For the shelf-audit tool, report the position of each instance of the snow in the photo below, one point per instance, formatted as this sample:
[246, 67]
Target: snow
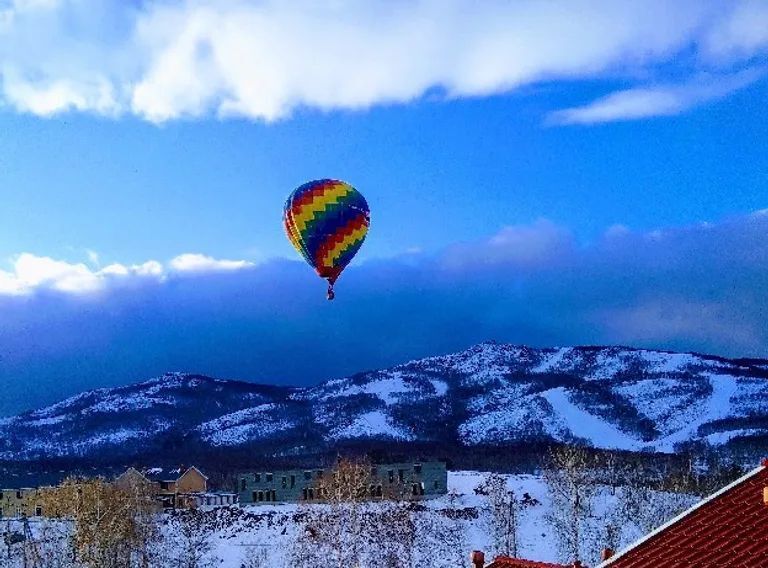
[552, 361]
[661, 362]
[582, 424]
[246, 425]
[608, 364]
[115, 436]
[505, 417]
[236, 531]
[717, 406]
[719, 438]
[658, 399]
[370, 425]
[119, 403]
[501, 388]
[387, 389]
[441, 387]
[46, 421]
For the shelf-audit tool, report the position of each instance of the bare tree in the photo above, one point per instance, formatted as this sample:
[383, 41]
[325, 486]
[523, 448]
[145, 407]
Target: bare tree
[441, 536]
[347, 530]
[505, 508]
[255, 557]
[336, 527]
[112, 525]
[570, 479]
[190, 541]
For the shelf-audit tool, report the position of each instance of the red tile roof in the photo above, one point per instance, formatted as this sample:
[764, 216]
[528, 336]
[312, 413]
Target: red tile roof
[507, 562]
[727, 530]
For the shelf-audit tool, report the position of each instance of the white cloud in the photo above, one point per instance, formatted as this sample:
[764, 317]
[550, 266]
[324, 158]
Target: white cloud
[661, 100]
[202, 263]
[263, 60]
[534, 245]
[742, 33]
[31, 272]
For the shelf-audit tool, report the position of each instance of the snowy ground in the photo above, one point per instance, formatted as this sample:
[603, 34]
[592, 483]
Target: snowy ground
[276, 533]
[271, 531]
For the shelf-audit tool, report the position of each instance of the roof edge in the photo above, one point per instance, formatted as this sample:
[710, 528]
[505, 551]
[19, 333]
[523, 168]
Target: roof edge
[190, 468]
[681, 516]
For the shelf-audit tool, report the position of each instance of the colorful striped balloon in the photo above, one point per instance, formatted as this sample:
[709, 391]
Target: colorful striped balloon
[326, 220]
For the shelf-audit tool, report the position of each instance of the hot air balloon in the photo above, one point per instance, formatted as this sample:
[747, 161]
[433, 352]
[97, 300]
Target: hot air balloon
[326, 220]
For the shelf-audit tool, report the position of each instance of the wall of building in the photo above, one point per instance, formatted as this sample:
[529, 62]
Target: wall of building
[406, 479]
[19, 503]
[191, 481]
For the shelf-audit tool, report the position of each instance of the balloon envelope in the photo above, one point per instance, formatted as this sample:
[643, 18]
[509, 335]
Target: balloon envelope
[326, 220]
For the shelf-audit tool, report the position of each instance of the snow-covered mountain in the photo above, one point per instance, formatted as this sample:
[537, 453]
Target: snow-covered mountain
[490, 394]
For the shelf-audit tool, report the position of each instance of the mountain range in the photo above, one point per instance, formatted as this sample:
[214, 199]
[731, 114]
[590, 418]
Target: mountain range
[491, 394]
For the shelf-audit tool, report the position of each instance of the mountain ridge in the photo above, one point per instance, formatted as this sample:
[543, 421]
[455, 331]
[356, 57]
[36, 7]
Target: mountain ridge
[491, 394]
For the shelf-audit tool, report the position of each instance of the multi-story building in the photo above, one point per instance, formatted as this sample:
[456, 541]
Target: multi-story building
[408, 479]
[174, 489]
[22, 502]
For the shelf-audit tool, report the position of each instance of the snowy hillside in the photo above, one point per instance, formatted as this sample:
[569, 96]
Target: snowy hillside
[490, 394]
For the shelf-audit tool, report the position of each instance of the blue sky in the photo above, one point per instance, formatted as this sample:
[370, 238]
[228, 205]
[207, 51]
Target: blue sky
[560, 173]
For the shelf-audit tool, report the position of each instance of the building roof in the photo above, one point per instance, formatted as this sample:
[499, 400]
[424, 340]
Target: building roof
[507, 562]
[158, 474]
[728, 529]
[190, 468]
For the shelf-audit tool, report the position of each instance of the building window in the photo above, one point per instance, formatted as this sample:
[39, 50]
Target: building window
[319, 474]
[293, 481]
[379, 492]
[311, 493]
[18, 495]
[415, 489]
[436, 485]
[401, 475]
[257, 477]
[285, 482]
[391, 476]
[242, 484]
[269, 478]
[417, 468]
[38, 511]
[304, 494]
[307, 475]
[274, 495]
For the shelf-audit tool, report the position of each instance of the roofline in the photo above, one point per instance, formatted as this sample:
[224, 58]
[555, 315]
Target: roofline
[680, 517]
[134, 469]
[195, 468]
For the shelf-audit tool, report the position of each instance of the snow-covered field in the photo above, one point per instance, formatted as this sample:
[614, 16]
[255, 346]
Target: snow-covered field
[276, 531]
[272, 529]
[447, 529]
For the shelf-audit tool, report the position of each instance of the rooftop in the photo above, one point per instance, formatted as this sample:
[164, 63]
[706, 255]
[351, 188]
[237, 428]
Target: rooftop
[728, 529]
[507, 562]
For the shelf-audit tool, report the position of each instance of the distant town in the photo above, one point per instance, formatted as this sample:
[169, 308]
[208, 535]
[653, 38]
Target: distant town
[188, 487]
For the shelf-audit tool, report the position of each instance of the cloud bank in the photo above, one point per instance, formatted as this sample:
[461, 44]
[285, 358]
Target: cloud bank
[67, 327]
[264, 60]
[31, 273]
